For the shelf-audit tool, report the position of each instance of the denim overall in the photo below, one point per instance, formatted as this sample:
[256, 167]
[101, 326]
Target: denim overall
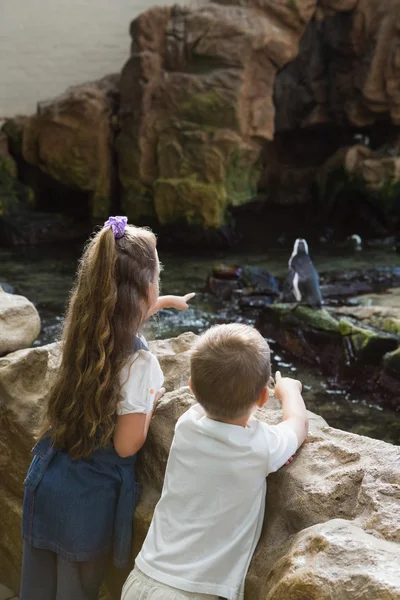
[76, 511]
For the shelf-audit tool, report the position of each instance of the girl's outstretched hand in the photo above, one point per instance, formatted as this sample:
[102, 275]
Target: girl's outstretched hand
[180, 302]
[177, 302]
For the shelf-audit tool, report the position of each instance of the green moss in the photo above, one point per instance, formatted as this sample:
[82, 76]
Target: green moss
[318, 319]
[388, 324]
[211, 107]
[310, 317]
[13, 194]
[293, 7]
[198, 203]
[242, 178]
[13, 128]
[391, 363]
[360, 336]
[366, 343]
[388, 198]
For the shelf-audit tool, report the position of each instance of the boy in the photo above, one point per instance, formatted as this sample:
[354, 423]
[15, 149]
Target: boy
[208, 521]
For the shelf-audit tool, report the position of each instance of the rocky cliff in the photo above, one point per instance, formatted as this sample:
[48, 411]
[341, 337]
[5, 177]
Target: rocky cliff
[235, 100]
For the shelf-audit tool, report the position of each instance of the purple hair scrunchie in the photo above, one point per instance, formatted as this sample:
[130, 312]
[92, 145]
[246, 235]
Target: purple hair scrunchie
[118, 225]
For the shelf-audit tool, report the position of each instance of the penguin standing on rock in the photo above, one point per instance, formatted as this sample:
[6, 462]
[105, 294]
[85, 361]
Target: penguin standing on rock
[303, 280]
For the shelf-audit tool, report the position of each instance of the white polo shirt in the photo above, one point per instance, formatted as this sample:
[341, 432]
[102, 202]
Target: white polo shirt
[208, 520]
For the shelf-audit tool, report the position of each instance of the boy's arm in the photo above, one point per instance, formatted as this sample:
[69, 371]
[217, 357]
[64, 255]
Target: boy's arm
[288, 391]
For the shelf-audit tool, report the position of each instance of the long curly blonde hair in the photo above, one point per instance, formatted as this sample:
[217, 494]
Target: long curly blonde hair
[106, 309]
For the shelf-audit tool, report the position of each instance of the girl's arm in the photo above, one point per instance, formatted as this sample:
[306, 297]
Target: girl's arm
[131, 430]
[178, 302]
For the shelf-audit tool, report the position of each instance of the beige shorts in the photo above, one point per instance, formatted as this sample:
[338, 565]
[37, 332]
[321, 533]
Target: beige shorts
[140, 587]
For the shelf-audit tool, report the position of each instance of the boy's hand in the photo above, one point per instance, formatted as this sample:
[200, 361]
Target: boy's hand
[285, 385]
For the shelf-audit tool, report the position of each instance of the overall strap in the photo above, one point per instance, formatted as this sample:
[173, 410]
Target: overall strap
[139, 344]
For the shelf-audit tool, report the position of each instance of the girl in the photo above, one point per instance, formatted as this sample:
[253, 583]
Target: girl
[80, 491]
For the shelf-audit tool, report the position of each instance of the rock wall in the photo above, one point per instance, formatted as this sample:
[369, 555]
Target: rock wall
[196, 105]
[231, 101]
[331, 529]
[217, 100]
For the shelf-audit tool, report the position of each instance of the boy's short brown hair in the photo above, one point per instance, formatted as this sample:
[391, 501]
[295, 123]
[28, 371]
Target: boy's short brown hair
[230, 365]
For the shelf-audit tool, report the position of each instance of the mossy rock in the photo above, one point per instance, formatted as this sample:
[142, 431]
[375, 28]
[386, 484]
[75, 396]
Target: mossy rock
[209, 107]
[189, 153]
[197, 203]
[388, 324]
[14, 196]
[391, 363]
[311, 318]
[366, 343]
[13, 128]
[242, 177]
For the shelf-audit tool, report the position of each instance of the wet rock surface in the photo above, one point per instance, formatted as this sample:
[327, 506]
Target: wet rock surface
[334, 509]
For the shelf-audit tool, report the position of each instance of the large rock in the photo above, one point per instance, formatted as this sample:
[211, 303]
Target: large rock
[331, 528]
[196, 104]
[207, 89]
[346, 563]
[19, 322]
[70, 140]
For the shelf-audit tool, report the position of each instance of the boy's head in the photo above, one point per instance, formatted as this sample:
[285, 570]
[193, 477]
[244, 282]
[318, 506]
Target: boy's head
[230, 367]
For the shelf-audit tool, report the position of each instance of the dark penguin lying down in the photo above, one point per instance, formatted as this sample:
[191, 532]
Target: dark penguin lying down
[302, 281]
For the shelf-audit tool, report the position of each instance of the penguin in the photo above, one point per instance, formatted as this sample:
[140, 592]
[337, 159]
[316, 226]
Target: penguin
[356, 242]
[303, 279]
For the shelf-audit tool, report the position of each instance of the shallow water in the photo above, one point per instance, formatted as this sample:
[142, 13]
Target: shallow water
[45, 276]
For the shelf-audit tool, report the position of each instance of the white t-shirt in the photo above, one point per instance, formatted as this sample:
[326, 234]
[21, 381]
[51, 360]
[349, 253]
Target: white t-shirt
[141, 379]
[208, 521]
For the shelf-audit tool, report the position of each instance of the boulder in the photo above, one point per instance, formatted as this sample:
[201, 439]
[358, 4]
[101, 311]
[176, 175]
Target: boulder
[346, 562]
[70, 140]
[196, 103]
[19, 322]
[331, 529]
